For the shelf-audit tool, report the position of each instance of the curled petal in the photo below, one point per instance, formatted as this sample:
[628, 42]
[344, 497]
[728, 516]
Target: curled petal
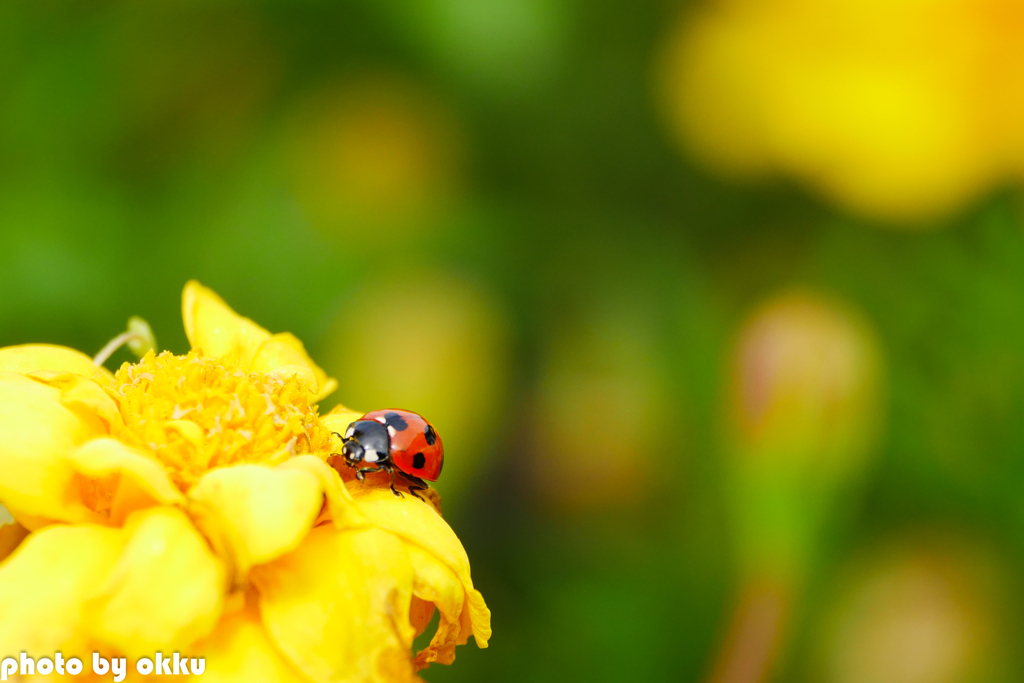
[239, 651]
[285, 353]
[476, 619]
[143, 482]
[212, 326]
[45, 584]
[31, 358]
[338, 607]
[420, 613]
[419, 524]
[84, 396]
[165, 591]
[36, 433]
[340, 505]
[435, 583]
[255, 514]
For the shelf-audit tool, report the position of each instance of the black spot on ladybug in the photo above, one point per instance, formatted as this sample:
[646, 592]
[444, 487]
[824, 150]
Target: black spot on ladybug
[395, 420]
[431, 435]
[418, 461]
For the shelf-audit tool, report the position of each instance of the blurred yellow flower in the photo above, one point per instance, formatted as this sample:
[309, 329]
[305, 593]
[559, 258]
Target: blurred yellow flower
[375, 153]
[184, 503]
[600, 410]
[902, 110]
[923, 607]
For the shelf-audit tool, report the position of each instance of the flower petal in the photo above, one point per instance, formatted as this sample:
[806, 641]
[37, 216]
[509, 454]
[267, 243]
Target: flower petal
[212, 326]
[11, 533]
[285, 353]
[338, 607]
[239, 651]
[340, 505]
[419, 524]
[254, 514]
[84, 397]
[143, 481]
[166, 590]
[46, 582]
[340, 418]
[11, 536]
[30, 358]
[36, 433]
[420, 613]
[437, 584]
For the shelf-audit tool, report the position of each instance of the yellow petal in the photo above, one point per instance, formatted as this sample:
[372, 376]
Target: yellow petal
[479, 619]
[437, 584]
[188, 430]
[340, 504]
[45, 583]
[140, 473]
[239, 651]
[338, 607]
[420, 613]
[11, 536]
[31, 358]
[419, 524]
[253, 514]
[212, 326]
[340, 418]
[166, 590]
[36, 433]
[84, 397]
[284, 353]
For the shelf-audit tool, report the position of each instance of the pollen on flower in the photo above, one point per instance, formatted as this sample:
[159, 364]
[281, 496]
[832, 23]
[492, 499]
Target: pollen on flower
[195, 414]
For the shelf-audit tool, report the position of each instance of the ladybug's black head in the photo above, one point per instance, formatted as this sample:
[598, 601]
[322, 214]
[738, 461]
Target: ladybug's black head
[366, 441]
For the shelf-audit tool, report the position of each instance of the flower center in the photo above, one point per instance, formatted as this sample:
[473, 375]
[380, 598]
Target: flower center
[195, 414]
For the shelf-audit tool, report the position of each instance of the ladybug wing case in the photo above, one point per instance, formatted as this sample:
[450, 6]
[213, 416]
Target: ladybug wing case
[416, 447]
[416, 457]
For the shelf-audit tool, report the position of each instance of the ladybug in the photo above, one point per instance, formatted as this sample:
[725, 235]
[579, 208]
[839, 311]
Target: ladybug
[390, 440]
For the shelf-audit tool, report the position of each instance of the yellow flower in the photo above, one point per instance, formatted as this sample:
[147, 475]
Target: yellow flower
[900, 110]
[185, 503]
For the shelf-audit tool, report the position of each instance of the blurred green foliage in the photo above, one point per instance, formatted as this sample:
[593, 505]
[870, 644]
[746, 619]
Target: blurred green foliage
[143, 144]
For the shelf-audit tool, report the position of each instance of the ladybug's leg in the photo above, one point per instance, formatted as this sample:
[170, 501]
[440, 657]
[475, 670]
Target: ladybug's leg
[416, 484]
[361, 473]
[397, 493]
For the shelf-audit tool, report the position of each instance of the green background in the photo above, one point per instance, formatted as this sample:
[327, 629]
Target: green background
[144, 144]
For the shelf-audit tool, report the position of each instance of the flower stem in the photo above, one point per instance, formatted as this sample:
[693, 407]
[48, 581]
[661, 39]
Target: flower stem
[113, 345]
[752, 644]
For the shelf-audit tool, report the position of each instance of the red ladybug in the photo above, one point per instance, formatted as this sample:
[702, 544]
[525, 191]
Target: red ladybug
[389, 440]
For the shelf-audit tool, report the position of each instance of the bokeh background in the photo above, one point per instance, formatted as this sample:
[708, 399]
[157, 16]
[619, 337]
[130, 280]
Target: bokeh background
[718, 305]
